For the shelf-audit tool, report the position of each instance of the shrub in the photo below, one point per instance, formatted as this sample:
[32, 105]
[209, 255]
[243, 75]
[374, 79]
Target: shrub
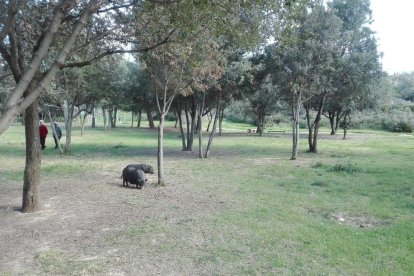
[345, 168]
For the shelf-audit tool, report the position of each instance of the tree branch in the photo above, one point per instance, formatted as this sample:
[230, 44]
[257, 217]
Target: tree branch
[38, 57]
[120, 51]
[8, 22]
[15, 104]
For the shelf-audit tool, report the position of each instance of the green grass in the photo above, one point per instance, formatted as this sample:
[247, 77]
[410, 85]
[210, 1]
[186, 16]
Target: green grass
[58, 263]
[281, 221]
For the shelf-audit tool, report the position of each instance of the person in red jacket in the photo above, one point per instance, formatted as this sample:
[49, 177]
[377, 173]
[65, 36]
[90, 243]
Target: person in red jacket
[43, 133]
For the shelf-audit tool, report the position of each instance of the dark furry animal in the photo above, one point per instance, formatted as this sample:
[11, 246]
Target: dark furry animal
[144, 167]
[133, 176]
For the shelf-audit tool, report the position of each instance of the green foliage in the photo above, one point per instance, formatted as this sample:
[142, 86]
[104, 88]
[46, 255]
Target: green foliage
[237, 112]
[402, 127]
[347, 167]
[403, 85]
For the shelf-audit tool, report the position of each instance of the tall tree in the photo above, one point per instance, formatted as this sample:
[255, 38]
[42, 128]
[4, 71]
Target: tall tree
[36, 39]
[296, 61]
[323, 28]
[358, 67]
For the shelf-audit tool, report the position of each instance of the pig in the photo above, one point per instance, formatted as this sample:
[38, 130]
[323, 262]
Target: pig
[133, 176]
[144, 167]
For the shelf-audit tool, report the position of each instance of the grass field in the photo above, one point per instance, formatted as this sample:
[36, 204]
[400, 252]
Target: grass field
[247, 209]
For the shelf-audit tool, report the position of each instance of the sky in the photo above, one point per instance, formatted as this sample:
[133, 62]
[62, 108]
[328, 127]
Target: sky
[393, 24]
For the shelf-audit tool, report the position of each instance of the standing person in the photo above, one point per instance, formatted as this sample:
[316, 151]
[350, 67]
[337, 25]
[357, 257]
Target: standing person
[58, 131]
[43, 133]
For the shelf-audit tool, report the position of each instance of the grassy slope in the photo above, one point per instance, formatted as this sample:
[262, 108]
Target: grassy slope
[283, 217]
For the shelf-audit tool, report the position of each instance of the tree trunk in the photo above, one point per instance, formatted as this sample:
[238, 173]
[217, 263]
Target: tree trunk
[187, 120]
[68, 116]
[221, 117]
[295, 133]
[110, 117]
[338, 118]
[115, 117]
[160, 159]
[316, 125]
[200, 127]
[193, 115]
[176, 120]
[139, 118]
[150, 119]
[260, 119]
[109, 120]
[104, 117]
[33, 160]
[295, 126]
[200, 136]
[331, 116]
[310, 127]
[346, 125]
[132, 118]
[93, 118]
[210, 119]
[213, 131]
[52, 125]
[82, 121]
[180, 122]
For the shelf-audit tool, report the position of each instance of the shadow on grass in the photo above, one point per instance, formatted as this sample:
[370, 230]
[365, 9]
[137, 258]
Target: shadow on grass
[10, 207]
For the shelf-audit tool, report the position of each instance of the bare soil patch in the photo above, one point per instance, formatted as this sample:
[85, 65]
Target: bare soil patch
[90, 224]
[356, 220]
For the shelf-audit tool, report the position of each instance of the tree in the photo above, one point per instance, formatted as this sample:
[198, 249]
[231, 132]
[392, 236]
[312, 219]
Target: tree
[264, 96]
[166, 66]
[404, 86]
[139, 96]
[324, 34]
[36, 39]
[295, 62]
[357, 67]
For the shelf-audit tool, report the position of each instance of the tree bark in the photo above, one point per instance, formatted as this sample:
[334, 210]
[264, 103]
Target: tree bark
[221, 117]
[346, 125]
[210, 119]
[331, 116]
[200, 127]
[52, 125]
[310, 127]
[150, 119]
[295, 125]
[115, 117]
[33, 160]
[187, 120]
[295, 133]
[160, 156]
[93, 118]
[213, 130]
[82, 121]
[139, 118]
[68, 116]
[180, 122]
[104, 116]
[314, 127]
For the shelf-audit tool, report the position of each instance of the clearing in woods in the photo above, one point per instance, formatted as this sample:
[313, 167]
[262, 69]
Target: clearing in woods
[247, 209]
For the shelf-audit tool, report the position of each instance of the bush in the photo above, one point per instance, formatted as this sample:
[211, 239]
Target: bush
[237, 112]
[345, 168]
[402, 127]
